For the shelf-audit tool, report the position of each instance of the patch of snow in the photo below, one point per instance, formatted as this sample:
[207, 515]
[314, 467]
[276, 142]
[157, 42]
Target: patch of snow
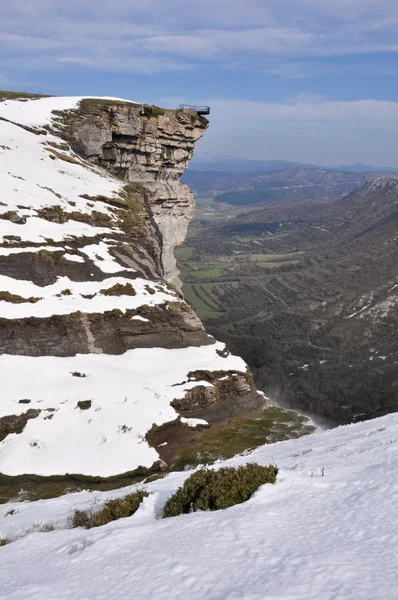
[99, 254]
[54, 302]
[74, 258]
[37, 230]
[193, 422]
[8, 251]
[31, 179]
[382, 309]
[358, 312]
[139, 318]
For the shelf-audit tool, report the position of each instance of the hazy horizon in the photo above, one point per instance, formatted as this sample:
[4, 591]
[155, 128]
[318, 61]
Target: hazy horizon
[199, 155]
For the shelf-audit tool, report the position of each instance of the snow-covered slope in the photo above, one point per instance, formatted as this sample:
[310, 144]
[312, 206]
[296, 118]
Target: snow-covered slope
[128, 393]
[94, 345]
[326, 530]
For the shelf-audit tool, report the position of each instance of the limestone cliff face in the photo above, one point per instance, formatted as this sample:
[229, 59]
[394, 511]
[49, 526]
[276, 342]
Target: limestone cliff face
[91, 209]
[146, 146]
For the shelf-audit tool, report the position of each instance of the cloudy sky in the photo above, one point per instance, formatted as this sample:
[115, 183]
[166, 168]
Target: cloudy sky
[309, 80]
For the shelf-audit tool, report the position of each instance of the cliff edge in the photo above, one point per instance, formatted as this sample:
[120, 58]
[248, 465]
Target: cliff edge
[97, 344]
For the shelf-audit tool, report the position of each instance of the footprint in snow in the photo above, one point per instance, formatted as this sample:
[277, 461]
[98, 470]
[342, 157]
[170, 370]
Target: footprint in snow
[81, 545]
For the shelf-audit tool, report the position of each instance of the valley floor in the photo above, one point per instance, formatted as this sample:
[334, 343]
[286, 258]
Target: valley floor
[326, 530]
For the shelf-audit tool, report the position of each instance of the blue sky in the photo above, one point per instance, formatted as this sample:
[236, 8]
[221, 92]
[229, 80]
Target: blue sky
[310, 80]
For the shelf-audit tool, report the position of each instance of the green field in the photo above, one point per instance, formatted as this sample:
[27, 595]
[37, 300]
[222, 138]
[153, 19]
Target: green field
[204, 297]
[276, 258]
[210, 269]
[183, 253]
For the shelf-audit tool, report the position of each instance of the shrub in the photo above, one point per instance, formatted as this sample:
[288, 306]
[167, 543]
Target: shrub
[214, 490]
[115, 509]
[152, 111]
[119, 290]
[84, 404]
[4, 542]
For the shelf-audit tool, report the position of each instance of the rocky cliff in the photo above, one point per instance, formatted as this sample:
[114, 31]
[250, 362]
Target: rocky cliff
[147, 146]
[96, 344]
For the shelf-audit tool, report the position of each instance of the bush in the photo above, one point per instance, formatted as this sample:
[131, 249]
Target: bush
[119, 290]
[214, 490]
[115, 509]
[152, 111]
[4, 542]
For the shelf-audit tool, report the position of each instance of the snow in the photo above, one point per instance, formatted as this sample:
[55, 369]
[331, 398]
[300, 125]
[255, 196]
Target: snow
[30, 178]
[325, 531]
[99, 254]
[139, 318]
[382, 309]
[133, 390]
[74, 258]
[358, 312]
[38, 230]
[193, 422]
[8, 251]
[37, 112]
[67, 296]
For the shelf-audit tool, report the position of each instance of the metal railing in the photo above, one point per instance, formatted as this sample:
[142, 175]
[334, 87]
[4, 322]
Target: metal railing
[201, 110]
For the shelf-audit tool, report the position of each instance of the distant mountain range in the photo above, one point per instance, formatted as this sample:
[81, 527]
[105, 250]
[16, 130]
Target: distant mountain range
[264, 187]
[233, 164]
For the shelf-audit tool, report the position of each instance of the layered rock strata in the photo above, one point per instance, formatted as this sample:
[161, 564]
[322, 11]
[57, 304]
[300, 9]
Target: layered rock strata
[91, 209]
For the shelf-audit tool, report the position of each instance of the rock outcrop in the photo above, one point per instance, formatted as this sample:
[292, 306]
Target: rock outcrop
[143, 145]
[91, 209]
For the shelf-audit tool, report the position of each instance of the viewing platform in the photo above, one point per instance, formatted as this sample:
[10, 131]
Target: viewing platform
[201, 110]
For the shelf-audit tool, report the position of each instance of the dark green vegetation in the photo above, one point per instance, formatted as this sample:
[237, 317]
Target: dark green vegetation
[36, 487]
[216, 490]
[4, 95]
[119, 290]
[304, 291]
[4, 542]
[88, 103]
[117, 508]
[151, 111]
[225, 440]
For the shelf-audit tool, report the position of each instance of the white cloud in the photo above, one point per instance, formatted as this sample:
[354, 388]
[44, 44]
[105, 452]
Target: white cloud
[253, 33]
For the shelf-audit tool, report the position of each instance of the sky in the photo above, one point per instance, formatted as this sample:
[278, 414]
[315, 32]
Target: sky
[303, 80]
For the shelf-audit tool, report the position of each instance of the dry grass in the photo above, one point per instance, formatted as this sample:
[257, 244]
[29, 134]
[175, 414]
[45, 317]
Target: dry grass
[15, 299]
